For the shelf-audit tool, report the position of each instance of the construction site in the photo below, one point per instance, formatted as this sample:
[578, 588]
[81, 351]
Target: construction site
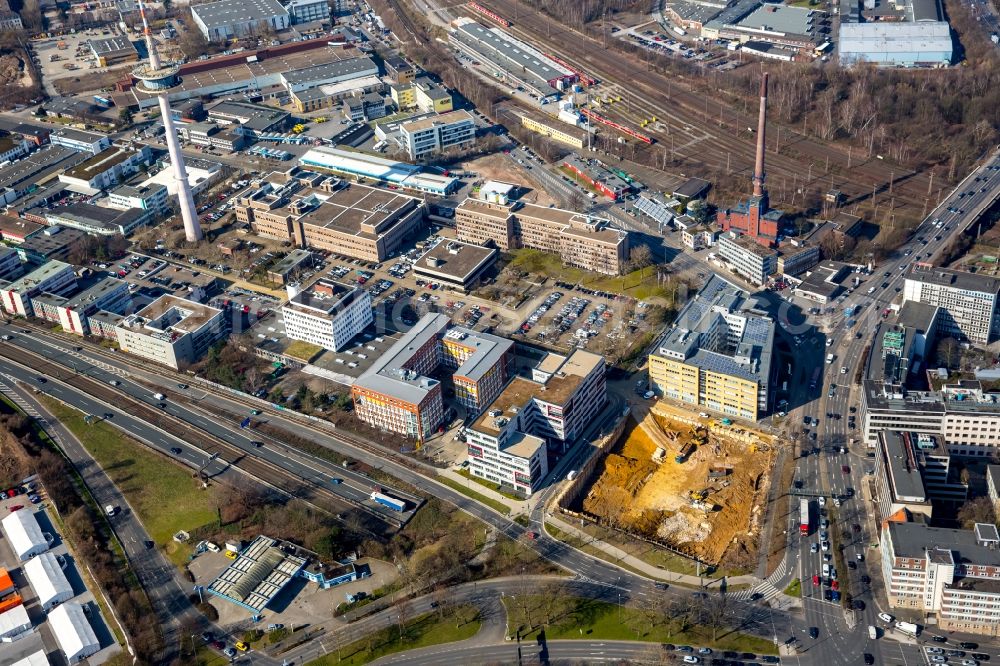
[694, 484]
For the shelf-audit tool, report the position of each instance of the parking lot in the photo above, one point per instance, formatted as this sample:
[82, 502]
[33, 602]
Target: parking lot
[41, 637]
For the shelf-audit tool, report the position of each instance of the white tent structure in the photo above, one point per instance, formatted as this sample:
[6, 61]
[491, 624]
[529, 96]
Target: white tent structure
[72, 629]
[48, 580]
[33, 659]
[24, 534]
[13, 623]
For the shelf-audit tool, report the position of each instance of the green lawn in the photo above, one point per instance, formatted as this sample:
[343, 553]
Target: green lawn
[640, 284]
[303, 350]
[164, 495]
[456, 624]
[565, 617]
[479, 497]
[794, 588]
[492, 486]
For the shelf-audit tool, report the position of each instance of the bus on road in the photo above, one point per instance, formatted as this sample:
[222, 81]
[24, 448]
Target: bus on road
[804, 517]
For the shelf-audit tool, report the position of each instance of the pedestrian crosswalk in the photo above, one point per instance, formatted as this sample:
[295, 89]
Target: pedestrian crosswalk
[766, 589]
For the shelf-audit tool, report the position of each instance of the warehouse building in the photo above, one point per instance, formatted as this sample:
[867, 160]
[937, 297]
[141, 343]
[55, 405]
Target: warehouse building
[359, 165]
[72, 630]
[597, 176]
[717, 354]
[512, 60]
[258, 574]
[48, 581]
[23, 176]
[338, 71]
[304, 11]
[33, 659]
[13, 623]
[580, 240]
[797, 28]
[99, 220]
[437, 133]
[171, 331]
[219, 21]
[253, 119]
[24, 536]
[314, 211]
[112, 51]
[895, 33]
[80, 141]
[552, 128]
[327, 314]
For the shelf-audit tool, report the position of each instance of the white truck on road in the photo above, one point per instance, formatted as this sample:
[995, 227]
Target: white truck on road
[908, 628]
[872, 631]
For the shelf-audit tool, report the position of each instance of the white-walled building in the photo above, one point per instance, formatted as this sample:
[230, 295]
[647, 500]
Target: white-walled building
[24, 535]
[110, 295]
[33, 659]
[80, 141]
[48, 581]
[106, 169]
[152, 197]
[970, 302]
[437, 133]
[54, 277]
[172, 331]
[13, 623]
[747, 257]
[73, 632]
[327, 314]
[225, 19]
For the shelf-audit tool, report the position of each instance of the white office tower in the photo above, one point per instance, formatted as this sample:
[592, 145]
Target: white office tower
[160, 78]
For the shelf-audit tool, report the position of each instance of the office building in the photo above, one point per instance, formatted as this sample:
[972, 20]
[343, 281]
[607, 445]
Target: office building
[825, 282]
[253, 119]
[699, 237]
[437, 133]
[457, 265]
[106, 169]
[396, 393]
[552, 128]
[314, 211]
[796, 258]
[153, 198]
[109, 295]
[365, 107]
[171, 331]
[226, 19]
[15, 230]
[327, 314]
[509, 442]
[748, 258]
[80, 141]
[397, 69]
[968, 301]
[13, 148]
[10, 263]
[717, 353]
[948, 575]
[53, 277]
[578, 239]
[304, 11]
[911, 472]
[421, 93]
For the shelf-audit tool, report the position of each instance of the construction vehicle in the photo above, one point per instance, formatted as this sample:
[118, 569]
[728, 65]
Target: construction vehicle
[686, 451]
[321, 119]
[697, 495]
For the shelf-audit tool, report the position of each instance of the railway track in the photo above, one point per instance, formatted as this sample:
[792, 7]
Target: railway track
[226, 454]
[687, 114]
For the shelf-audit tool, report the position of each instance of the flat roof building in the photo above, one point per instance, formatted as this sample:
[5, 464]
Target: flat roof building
[258, 574]
[437, 133]
[172, 331]
[360, 165]
[256, 118]
[579, 239]
[327, 314]
[338, 71]
[99, 220]
[970, 302]
[896, 44]
[54, 277]
[824, 282]
[112, 51]
[717, 353]
[458, 265]
[225, 19]
[80, 141]
[747, 257]
[512, 59]
[313, 211]
[15, 230]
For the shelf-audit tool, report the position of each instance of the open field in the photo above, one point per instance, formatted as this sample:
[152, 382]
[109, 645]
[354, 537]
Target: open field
[642, 488]
[451, 625]
[166, 497]
[563, 617]
[498, 167]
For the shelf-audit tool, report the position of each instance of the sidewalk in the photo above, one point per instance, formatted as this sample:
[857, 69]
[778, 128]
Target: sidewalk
[644, 567]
